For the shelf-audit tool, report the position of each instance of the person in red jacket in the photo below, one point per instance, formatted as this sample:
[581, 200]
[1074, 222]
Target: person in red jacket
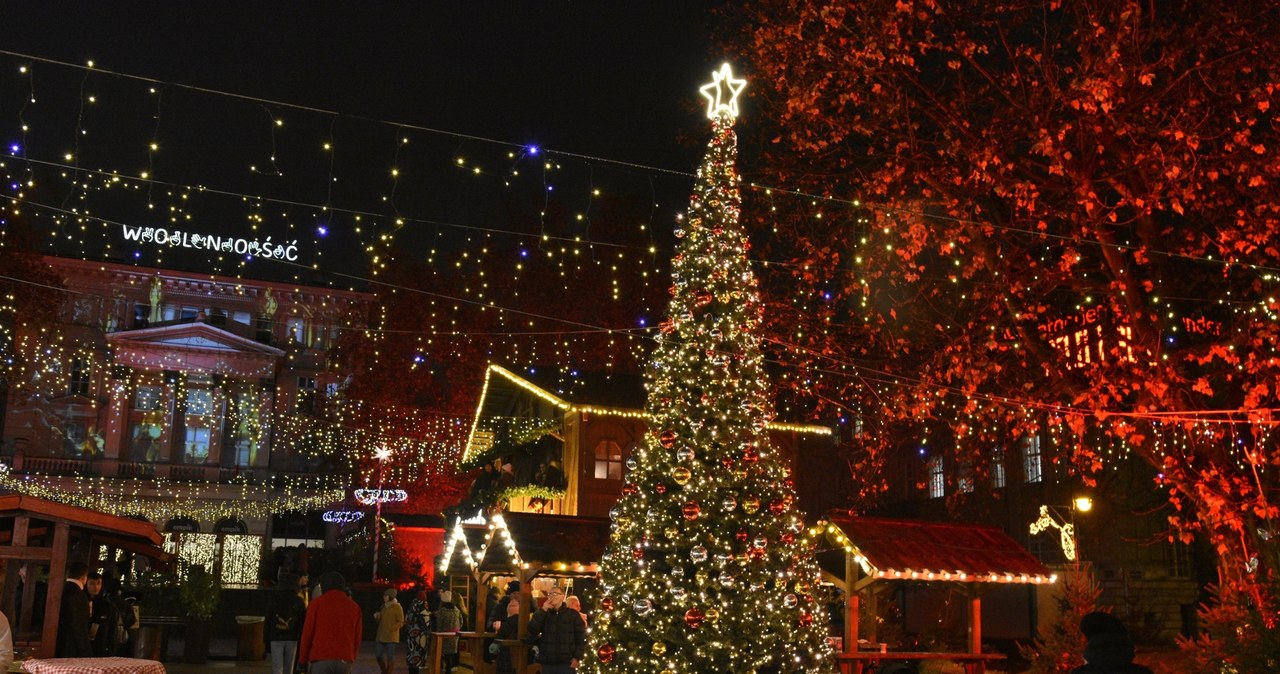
[331, 632]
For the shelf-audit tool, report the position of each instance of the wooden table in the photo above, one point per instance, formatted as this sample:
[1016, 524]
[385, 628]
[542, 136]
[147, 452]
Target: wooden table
[92, 666]
[974, 663]
[475, 646]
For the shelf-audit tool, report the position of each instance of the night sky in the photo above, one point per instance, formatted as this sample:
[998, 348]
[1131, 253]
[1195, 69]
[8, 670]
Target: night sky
[610, 86]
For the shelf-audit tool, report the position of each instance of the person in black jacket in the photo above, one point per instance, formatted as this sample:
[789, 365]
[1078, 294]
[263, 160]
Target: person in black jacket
[508, 628]
[285, 616]
[73, 615]
[560, 634]
[1107, 648]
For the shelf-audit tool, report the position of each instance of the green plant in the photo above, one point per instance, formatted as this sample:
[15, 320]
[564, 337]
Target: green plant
[157, 594]
[200, 593]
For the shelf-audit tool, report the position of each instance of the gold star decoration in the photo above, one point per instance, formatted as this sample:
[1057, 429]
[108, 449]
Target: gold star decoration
[723, 86]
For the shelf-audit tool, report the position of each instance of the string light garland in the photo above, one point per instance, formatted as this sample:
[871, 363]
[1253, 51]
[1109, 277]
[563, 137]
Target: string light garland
[707, 567]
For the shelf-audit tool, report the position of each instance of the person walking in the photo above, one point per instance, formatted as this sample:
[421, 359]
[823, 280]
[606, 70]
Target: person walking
[331, 633]
[285, 617]
[448, 619]
[419, 621]
[73, 615]
[560, 633]
[390, 619]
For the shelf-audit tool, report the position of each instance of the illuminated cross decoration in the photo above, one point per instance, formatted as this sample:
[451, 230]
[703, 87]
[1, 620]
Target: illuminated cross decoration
[722, 93]
[1067, 532]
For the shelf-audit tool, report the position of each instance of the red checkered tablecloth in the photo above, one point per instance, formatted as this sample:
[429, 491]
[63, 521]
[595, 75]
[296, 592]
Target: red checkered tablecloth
[92, 666]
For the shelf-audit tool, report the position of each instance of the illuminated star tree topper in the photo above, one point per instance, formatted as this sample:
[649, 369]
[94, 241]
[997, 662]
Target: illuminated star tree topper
[722, 92]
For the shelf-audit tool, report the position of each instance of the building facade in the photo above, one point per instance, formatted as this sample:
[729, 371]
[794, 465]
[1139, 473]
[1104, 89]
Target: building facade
[184, 398]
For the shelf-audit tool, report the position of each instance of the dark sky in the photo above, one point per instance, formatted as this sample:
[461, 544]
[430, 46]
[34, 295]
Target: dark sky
[615, 82]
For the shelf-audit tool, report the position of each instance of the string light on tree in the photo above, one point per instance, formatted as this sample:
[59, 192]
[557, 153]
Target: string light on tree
[708, 568]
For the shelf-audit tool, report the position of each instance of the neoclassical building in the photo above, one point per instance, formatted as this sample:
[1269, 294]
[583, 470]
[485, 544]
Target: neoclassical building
[190, 399]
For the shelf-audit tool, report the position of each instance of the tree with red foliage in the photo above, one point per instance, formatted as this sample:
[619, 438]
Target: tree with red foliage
[1031, 215]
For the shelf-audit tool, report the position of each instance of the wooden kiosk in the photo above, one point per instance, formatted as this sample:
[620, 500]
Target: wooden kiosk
[881, 550]
[523, 545]
[39, 533]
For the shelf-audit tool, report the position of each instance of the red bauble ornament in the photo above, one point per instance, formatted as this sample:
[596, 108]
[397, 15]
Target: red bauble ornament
[607, 603]
[806, 619]
[777, 506]
[704, 298]
[691, 510]
[726, 462]
[661, 488]
[630, 489]
[667, 439]
[750, 454]
[787, 538]
[694, 617]
[756, 553]
[637, 553]
[741, 536]
[606, 653]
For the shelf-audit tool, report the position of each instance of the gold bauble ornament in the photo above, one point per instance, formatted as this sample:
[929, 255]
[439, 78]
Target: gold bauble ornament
[659, 648]
[711, 615]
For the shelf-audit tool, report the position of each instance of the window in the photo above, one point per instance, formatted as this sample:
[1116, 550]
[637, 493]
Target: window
[295, 330]
[1177, 559]
[199, 401]
[964, 478]
[78, 382]
[937, 480]
[1032, 469]
[147, 398]
[189, 313]
[144, 442]
[242, 317]
[608, 461]
[74, 434]
[997, 472]
[306, 394]
[197, 444]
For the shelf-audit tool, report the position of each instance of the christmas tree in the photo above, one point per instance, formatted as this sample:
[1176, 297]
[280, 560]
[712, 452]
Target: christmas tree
[709, 568]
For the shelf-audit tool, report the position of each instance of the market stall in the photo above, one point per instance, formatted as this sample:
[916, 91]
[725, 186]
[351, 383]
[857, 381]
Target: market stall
[972, 557]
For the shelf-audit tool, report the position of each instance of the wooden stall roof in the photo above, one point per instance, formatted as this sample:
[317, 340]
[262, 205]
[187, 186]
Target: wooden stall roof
[894, 549]
[559, 545]
[549, 544]
[134, 535]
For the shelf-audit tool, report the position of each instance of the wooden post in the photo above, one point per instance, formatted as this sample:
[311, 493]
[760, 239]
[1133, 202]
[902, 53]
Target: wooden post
[12, 604]
[482, 600]
[53, 597]
[975, 622]
[851, 613]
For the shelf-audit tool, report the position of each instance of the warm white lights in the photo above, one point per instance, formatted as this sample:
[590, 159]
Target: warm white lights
[722, 93]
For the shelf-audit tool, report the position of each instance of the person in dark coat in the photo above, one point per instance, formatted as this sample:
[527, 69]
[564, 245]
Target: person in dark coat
[283, 627]
[1107, 648]
[104, 618]
[73, 615]
[559, 633]
[508, 628]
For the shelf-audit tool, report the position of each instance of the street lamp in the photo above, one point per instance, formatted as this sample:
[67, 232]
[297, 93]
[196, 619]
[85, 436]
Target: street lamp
[1052, 518]
[382, 454]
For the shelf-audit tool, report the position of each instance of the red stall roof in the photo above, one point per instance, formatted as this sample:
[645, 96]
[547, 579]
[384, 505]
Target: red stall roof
[893, 549]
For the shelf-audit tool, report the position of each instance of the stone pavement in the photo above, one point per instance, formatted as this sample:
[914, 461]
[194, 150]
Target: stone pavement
[222, 661]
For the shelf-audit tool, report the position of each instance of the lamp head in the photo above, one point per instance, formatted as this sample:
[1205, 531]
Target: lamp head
[1083, 504]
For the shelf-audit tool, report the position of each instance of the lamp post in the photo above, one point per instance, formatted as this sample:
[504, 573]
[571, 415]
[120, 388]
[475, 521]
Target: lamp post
[381, 455]
[1052, 518]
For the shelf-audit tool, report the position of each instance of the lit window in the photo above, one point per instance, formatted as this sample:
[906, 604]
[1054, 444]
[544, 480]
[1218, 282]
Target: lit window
[997, 472]
[937, 480]
[199, 401]
[608, 461]
[78, 382]
[147, 398]
[197, 444]
[1032, 468]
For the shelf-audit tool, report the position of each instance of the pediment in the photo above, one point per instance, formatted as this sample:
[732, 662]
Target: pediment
[192, 336]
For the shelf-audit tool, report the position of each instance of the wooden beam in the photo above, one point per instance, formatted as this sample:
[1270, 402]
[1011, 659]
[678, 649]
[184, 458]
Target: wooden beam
[851, 604]
[975, 623]
[53, 598]
[25, 552]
